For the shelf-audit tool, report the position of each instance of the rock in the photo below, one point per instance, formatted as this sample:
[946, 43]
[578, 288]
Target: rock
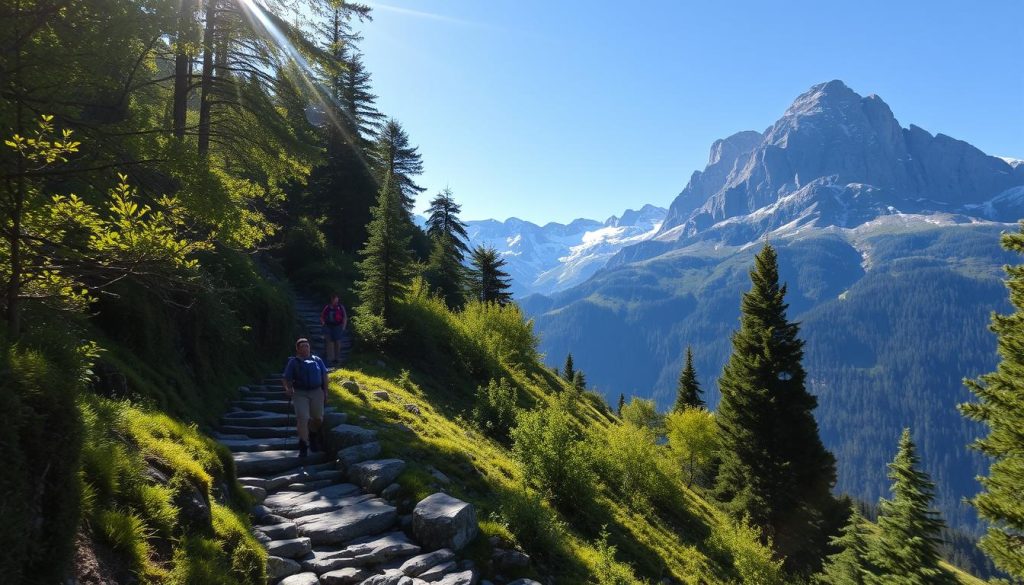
[382, 395]
[375, 475]
[524, 582]
[439, 476]
[347, 435]
[441, 521]
[413, 409]
[351, 386]
[301, 579]
[291, 548]
[388, 579]
[468, 577]
[193, 509]
[262, 537]
[437, 571]
[348, 523]
[269, 462]
[259, 512]
[346, 576]
[405, 522]
[257, 493]
[295, 504]
[417, 565]
[271, 519]
[282, 531]
[373, 550]
[253, 481]
[357, 454]
[390, 493]
[380, 364]
[308, 486]
[506, 560]
[278, 568]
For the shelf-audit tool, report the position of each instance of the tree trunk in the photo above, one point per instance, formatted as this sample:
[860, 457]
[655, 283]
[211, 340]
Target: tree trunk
[206, 84]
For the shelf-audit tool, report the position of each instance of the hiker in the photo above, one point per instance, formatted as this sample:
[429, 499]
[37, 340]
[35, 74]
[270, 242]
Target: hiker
[334, 320]
[305, 383]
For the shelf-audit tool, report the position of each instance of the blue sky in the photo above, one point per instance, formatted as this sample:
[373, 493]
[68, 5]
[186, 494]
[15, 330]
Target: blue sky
[552, 110]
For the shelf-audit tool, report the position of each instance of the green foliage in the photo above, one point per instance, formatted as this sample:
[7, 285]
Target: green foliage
[642, 413]
[693, 441]
[445, 270]
[553, 456]
[774, 469]
[488, 282]
[495, 409]
[127, 534]
[752, 561]
[628, 460]
[503, 332]
[386, 268]
[536, 527]
[849, 566]
[1000, 406]
[688, 391]
[568, 370]
[608, 570]
[906, 550]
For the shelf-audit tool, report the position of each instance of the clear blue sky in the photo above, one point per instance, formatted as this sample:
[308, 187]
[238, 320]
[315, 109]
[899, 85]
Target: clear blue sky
[552, 110]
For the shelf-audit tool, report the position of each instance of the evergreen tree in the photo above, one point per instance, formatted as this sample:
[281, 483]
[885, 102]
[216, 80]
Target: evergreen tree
[906, 550]
[397, 163]
[443, 220]
[579, 381]
[688, 393]
[1001, 408]
[774, 469]
[622, 402]
[568, 371]
[849, 566]
[445, 270]
[385, 269]
[488, 282]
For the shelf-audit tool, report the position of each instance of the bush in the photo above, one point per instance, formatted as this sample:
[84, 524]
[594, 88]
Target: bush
[552, 455]
[536, 527]
[495, 409]
[693, 441]
[503, 331]
[642, 413]
[628, 459]
[373, 330]
[608, 570]
[752, 561]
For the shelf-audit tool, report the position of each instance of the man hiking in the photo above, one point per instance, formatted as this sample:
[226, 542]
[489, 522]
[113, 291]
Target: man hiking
[305, 383]
[334, 320]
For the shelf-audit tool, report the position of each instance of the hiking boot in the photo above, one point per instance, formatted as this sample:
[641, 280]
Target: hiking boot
[314, 442]
[302, 449]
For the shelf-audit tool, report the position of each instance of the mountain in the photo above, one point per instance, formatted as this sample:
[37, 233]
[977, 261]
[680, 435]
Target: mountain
[888, 238]
[553, 257]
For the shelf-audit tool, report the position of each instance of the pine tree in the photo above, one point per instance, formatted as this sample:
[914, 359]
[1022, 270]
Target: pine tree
[906, 550]
[488, 282]
[1001, 408]
[579, 381]
[688, 392]
[622, 402]
[397, 163]
[774, 469]
[385, 270]
[849, 566]
[568, 371]
[445, 271]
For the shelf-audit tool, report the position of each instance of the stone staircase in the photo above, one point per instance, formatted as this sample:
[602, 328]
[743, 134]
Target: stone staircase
[330, 518]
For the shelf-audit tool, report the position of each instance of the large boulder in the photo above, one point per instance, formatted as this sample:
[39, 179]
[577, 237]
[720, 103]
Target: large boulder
[301, 579]
[357, 454]
[376, 475]
[279, 568]
[441, 521]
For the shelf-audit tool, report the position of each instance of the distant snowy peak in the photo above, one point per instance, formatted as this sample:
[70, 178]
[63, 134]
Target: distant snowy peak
[1013, 162]
[835, 158]
[548, 258]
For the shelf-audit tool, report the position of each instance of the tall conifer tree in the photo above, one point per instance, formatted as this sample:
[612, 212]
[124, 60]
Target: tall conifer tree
[488, 282]
[906, 550]
[774, 468]
[385, 270]
[1001, 408]
[568, 370]
[688, 393]
[445, 270]
[849, 566]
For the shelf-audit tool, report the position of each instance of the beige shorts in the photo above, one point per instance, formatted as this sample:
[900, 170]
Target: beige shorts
[308, 403]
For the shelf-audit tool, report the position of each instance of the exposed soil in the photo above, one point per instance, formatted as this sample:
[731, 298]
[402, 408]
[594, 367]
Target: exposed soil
[97, 564]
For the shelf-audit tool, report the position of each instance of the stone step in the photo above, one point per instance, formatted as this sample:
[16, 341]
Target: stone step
[292, 548]
[259, 432]
[278, 406]
[298, 504]
[377, 474]
[298, 475]
[346, 435]
[270, 462]
[266, 444]
[348, 523]
[280, 531]
[255, 418]
[363, 552]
